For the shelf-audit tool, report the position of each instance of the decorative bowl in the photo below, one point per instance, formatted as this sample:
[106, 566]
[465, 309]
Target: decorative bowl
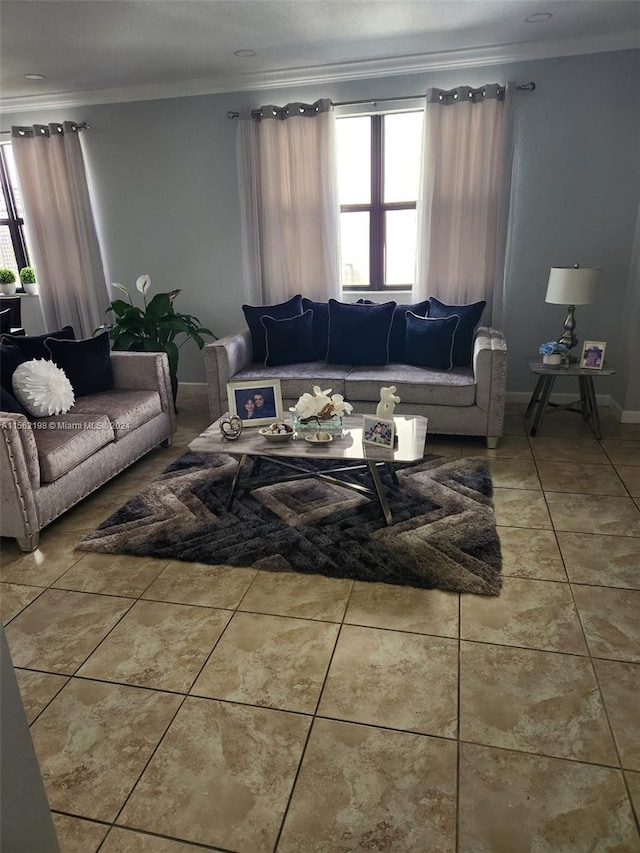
[319, 437]
[277, 432]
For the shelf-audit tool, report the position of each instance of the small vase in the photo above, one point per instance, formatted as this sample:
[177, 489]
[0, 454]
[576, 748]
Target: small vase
[334, 423]
[8, 288]
[30, 288]
[552, 358]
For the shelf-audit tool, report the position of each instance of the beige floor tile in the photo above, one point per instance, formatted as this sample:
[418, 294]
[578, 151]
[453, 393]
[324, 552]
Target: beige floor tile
[520, 508]
[509, 446]
[90, 513]
[44, 565]
[60, 629]
[382, 677]
[197, 583]
[633, 781]
[397, 789]
[442, 445]
[593, 514]
[610, 621]
[516, 473]
[530, 613]
[620, 685]
[14, 597]
[564, 425]
[306, 596]
[530, 554]
[114, 574]
[630, 476]
[229, 789]
[404, 608]
[158, 645]
[622, 452]
[533, 701]
[128, 841]
[510, 802]
[93, 742]
[514, 424]
[601, 560]
[37, 689]
[612, 428]
[583, 478]
[273, 661]
[76, 835]
[570, 449]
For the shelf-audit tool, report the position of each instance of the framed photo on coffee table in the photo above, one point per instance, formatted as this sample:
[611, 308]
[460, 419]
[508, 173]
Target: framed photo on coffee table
[378, 431]
[255, 403]
[593, 354]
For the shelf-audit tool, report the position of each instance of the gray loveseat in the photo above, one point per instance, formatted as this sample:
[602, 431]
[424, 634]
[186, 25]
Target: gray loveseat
[50, 464]
[461, 401]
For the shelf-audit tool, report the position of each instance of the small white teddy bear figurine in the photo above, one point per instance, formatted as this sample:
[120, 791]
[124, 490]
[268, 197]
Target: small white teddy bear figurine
[388, 401]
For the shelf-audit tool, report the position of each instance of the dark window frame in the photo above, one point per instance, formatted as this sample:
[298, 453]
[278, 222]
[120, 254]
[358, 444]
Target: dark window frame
[377, 209]
[14, 222]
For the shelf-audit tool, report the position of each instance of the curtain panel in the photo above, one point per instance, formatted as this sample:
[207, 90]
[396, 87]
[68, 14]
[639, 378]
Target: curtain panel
[463, 202]
[61, 226]
[287, 167]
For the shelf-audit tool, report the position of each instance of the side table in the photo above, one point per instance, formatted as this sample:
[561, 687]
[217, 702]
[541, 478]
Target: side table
[547, 375]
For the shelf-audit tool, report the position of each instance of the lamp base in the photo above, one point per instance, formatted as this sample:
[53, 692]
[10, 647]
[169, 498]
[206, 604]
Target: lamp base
[568, 338]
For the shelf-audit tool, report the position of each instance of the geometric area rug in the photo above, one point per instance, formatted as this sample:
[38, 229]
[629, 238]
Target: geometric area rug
[443, 534]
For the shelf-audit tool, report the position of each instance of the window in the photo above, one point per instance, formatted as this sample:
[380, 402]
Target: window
[378, 176]
[13, 244]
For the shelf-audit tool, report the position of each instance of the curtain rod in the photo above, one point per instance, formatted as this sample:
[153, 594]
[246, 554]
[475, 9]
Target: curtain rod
[522, 87]
[81, 125]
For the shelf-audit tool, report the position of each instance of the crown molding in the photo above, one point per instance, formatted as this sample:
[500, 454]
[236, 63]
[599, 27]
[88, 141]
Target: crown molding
[336, 72]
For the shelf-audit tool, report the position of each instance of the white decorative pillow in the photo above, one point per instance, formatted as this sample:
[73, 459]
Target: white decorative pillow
[42, 388]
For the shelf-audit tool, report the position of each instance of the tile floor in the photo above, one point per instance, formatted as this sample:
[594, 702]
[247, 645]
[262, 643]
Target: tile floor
[179, 707]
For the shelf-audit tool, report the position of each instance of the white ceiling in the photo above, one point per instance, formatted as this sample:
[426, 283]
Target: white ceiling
[97, 51]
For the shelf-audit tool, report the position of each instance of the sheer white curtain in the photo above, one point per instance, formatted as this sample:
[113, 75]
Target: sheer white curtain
[289, 202]
[62, 231]
[464, 194]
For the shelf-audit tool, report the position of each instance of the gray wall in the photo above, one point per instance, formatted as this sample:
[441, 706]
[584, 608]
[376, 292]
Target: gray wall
[164, 179]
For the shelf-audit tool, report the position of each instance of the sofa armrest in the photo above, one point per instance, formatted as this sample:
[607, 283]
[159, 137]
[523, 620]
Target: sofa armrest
[20, 474]
[145, 371]
[490, 371]
[223, 359]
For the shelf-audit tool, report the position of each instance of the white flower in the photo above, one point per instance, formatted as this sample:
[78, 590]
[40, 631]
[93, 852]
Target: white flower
[143, 283]
[340, 405]
[320, 404]
[43, 388]
[119, 286]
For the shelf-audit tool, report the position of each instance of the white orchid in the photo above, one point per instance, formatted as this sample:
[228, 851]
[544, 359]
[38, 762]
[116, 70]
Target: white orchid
[143, 283]
[321, 405]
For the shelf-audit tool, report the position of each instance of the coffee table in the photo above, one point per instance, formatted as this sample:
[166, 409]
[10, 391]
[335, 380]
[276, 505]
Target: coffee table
[347, 447]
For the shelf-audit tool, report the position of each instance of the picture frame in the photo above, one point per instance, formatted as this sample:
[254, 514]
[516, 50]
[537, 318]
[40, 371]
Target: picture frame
[592, 357]
[379, 432]
[255, 403]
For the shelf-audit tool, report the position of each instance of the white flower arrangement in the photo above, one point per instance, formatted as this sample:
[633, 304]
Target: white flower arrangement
[320, 405]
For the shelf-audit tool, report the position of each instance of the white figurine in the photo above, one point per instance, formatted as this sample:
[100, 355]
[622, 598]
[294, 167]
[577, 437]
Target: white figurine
[388, 401]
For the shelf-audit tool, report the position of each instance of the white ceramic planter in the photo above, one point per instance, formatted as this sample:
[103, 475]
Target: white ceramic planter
[8, 289]
[30, 288]
[552, 358]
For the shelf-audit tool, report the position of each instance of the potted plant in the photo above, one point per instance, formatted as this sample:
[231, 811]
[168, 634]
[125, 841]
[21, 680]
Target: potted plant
[7, 282]
[553, 352]
[153, 328]
[28, 280]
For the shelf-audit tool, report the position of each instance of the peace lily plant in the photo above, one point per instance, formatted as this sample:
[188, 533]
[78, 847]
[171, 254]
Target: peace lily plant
[320, 405]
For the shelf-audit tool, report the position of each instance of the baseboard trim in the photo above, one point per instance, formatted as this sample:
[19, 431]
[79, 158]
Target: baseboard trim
[627, 416]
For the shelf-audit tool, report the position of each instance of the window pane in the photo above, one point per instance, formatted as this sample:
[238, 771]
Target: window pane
[7, 256]
[402, 144]
[353, 139]
[400, 246]
[13, 180]
[354, 248]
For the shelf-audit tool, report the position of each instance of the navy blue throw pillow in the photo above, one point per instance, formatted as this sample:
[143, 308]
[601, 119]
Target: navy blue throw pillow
[254, 313]
[8, 403]
[32, 346]
[359, 334]
[399, 327]
[320, 325]
[87, 363]
[430, 342]
[289, 341]
[469, 319]
[10, 358]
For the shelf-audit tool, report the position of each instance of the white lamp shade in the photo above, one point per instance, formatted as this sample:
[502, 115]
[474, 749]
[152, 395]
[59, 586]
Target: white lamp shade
[572, 285]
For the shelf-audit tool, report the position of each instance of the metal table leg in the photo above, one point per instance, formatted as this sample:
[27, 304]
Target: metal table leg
[544, 399]
[234, 485]
[535, 396]
[382, 498]
[595, 417]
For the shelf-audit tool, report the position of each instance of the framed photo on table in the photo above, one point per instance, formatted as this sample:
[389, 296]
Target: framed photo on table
[378, 431]
[593, 354]
[255, 403]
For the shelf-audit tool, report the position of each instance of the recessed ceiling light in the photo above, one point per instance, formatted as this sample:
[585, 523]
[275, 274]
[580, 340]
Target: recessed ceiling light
[244, 53]
[34, 76]
[537, 18]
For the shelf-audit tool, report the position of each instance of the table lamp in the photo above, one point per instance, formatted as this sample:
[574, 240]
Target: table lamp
[571, 286]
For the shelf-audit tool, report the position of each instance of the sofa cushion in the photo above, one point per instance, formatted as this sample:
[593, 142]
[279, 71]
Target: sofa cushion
[32, 346]
[289, 341]
[64, 441]
[87, 363]
[296, 379]
[469, 319]
[430, 342]
[359, 333]
[399, 326]
[414, 385]
[320, 325]
[254, 313]
[126, 410]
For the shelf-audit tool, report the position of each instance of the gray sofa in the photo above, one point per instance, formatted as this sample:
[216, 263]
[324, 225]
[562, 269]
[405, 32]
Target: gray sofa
[50, 464]
[461, 401]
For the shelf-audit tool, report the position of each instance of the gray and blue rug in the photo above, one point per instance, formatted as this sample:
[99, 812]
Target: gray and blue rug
[443, 533]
